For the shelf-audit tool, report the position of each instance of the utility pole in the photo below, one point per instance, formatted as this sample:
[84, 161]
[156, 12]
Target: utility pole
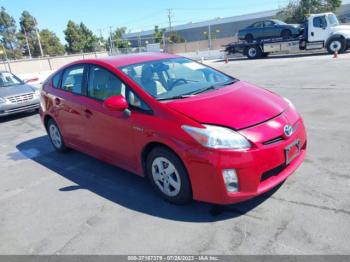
[209, 36]
[39, 42]
[111, 48]
[38, 37]
[27, 43]
[170, 21]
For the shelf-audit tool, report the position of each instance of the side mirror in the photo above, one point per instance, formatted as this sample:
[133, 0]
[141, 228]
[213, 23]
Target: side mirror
[116, 103]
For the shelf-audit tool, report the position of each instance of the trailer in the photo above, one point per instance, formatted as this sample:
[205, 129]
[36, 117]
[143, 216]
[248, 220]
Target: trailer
[321, 31]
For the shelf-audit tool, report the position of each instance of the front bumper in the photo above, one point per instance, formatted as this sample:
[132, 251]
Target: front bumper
[10, 108]
[259, 169]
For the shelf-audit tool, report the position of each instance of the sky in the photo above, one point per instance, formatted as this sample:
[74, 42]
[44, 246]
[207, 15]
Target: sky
[136, 15]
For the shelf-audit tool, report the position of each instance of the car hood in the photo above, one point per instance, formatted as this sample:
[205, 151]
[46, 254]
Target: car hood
[237, 106]
[342, 27]
[16, 90]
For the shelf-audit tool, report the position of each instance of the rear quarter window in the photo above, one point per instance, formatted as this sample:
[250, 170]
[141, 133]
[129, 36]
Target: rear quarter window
[56, 80]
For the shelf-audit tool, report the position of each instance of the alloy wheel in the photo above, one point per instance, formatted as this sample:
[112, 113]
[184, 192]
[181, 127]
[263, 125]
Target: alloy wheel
[166, 177]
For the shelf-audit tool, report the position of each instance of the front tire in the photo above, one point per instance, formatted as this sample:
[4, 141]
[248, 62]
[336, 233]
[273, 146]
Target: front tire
[56, 137]
[168, 176]
[336, 44]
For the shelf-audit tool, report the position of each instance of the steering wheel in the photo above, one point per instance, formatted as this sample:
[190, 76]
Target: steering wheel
[178, 81]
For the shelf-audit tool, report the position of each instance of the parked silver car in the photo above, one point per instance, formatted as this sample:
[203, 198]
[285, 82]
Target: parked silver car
[16, 96]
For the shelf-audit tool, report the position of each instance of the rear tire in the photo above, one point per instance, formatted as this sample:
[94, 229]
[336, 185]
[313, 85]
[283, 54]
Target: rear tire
[168, 176]
[249, 38]
[253, 52]
[337, 43]
[286, 34]
[56, 137]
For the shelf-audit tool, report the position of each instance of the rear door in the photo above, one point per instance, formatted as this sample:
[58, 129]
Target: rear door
[66, 103]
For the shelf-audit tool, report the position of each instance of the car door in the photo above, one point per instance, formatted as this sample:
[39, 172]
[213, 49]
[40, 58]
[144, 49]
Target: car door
[108, 134]
[66, 103]
[270, 29]
[258, 30]
[319, 29]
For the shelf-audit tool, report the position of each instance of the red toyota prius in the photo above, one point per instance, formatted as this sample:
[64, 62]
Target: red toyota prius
[195, 132]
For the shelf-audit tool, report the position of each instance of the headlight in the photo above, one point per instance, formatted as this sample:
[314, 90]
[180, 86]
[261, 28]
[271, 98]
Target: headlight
[2, 100]
[289, 102]
[217, 137]
[37, 92]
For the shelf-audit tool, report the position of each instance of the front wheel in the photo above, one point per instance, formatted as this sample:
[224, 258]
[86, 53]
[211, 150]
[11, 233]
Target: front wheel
[168, 176]
[336, 44]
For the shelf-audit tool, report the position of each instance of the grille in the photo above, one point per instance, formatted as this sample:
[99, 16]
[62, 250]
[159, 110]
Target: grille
[20, 98]
[272, 172]
[273, 141]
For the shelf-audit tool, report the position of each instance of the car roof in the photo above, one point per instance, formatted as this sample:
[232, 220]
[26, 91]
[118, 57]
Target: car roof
[124, 60]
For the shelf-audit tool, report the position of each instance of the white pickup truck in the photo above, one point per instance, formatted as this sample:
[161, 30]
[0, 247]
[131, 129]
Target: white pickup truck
[320, 31]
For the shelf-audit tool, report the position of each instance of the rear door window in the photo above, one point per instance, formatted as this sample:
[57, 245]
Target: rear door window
[72, 79]
[56, 80]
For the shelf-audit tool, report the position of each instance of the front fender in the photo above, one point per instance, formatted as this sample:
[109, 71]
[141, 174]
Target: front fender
[343, 33]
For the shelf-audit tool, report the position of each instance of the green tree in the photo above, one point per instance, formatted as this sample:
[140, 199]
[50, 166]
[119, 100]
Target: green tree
[175, 38]
[295, 11]
[158, 34]
[8, 33]
[73, 37]
[117, 37]
[88, 38]
[79, 38]
[51, 43]
[28, 29]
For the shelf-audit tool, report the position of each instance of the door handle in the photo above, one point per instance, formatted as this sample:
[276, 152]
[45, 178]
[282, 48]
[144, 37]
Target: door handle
[57, 101]
[88, 113]
[312, 34]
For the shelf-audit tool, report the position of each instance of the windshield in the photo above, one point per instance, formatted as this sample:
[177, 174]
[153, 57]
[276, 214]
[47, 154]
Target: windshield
[279, 22]
[8, 79]
[176, 78]
[333, 20]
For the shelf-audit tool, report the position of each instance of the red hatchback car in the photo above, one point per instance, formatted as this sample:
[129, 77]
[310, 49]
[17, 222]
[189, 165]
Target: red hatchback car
[195, 132]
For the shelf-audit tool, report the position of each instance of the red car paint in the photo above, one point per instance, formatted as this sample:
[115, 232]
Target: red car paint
[120, 139]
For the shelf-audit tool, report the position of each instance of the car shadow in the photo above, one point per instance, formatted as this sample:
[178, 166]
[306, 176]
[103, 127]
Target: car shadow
[123, 188]
[13, 117]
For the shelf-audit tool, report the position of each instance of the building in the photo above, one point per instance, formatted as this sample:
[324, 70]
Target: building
[217, 28]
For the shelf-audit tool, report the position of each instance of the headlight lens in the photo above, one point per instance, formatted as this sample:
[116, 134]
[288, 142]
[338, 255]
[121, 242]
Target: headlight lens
[37, 92]
[289, 102]
[217, 137]
[2, 100]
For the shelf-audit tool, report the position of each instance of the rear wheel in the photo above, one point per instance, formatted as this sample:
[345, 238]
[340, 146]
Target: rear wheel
[253, 52]
[249, 38]
[336, 44]
[56, 137]
[168, 176]
[286, 34]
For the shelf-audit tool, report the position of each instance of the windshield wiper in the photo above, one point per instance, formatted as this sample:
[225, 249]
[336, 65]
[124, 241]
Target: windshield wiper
[175, 97]
[212, 87]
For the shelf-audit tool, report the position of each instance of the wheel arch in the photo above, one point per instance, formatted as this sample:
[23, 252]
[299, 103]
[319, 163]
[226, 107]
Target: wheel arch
[335, 36]
[46, 120]
[153, 144]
